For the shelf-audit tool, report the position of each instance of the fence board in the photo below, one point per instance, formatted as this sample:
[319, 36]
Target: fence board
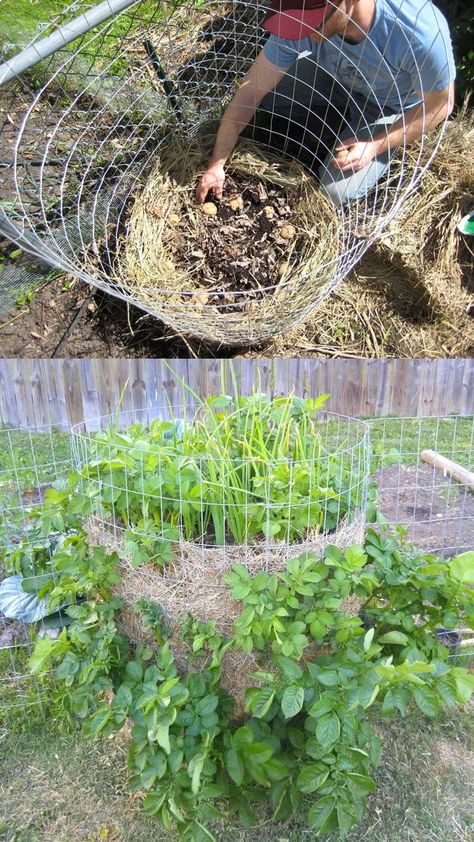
[64, 392]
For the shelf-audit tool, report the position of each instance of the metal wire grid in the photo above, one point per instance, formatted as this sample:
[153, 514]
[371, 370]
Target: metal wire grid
[82, 129]
[436, 511]
[340, 460]
[440, 518]
[30, 461]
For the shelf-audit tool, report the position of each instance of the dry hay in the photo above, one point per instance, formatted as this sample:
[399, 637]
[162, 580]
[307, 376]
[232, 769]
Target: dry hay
[412, 296]
[161, 254]
[194, 584]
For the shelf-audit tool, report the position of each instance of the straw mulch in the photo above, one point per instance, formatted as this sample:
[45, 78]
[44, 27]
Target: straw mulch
[413, 294]
[194, 584]
[171, 251]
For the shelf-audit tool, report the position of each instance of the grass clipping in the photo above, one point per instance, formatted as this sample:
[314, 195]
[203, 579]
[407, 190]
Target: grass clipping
[162, 254]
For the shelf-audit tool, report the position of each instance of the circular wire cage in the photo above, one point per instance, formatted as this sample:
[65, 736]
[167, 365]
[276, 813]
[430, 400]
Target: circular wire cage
[202, 483]
[89, 105]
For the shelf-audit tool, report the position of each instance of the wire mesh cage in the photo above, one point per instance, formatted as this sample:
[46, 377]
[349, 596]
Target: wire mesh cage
[202, 492]
[431, 499]
[31, 460]
[248, 483]
[104, 111]
[119, 471]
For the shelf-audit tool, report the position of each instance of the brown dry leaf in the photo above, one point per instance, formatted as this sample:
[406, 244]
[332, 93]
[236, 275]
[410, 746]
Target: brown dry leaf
[154, 211]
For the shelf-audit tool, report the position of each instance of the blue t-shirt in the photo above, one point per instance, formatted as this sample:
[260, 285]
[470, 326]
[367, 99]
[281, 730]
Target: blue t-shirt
[407, 50]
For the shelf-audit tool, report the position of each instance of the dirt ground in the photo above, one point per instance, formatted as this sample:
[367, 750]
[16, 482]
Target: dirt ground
[77, 321]
[437, 512]
[67, 318]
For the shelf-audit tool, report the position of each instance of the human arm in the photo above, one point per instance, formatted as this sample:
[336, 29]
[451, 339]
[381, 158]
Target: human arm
[435, 107]
[260, 79]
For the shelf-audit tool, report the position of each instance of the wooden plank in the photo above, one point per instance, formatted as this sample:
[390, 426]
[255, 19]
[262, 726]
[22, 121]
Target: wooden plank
[448, 467]
[91, 408]
[467, 390]
[11, 411]
[71, 372]
[53, 370]
[40, 394]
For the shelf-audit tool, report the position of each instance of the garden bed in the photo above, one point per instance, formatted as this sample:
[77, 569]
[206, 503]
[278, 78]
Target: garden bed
[436, 512]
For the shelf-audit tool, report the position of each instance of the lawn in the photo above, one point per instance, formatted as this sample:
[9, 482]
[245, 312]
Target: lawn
[57, 786]
[19, 19]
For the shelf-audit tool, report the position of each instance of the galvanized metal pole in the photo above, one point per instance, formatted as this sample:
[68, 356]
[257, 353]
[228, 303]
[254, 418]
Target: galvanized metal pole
[62, 36]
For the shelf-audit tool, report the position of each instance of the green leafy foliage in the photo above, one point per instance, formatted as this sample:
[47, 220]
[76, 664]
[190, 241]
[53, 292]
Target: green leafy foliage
[236, 468]
[306, 741]
[460, 15]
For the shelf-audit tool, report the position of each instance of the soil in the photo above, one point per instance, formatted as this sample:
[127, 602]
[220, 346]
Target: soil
[247, 237]
[436, 511]
[46, 327]
[374, 320]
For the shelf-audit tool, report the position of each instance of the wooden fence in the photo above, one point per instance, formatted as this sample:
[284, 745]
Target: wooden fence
[65, 392]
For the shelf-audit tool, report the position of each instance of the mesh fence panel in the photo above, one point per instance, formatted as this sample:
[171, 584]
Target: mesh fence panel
[30, 462]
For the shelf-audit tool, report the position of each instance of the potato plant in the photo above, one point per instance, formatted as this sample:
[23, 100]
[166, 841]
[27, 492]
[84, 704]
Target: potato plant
[305, 742]
[236, 469]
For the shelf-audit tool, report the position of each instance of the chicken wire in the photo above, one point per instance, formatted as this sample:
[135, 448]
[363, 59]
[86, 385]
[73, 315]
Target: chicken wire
[435, 512]
[82, 128]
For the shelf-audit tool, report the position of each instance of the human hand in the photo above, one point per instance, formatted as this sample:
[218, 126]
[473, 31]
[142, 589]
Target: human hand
[354, 155]
[213, 179]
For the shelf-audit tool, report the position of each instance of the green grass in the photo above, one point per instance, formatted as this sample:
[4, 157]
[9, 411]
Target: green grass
[400, 440]
[19, 18]
[20, 21]
[56, 786]
[28, 459]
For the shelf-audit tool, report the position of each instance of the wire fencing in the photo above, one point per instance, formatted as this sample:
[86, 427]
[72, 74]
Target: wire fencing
[31, 461]
[131, 482]
[90, 106]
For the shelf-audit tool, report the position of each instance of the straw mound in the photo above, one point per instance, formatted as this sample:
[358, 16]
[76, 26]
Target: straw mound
[171, 251]
[194, 584]
[412, 295]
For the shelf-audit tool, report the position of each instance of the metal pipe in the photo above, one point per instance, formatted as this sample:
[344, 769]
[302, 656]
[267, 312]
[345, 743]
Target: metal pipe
[168, 86]
[63, 35]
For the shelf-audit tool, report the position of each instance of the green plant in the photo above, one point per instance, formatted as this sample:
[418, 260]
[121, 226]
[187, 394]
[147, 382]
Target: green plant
[306, 742]
[24, 298]
[461, 18]
[235, 469]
